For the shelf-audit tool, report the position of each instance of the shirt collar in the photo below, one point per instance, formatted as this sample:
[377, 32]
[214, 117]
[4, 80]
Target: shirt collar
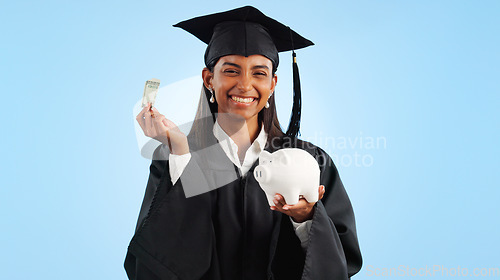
[259, 143]
[261, 138]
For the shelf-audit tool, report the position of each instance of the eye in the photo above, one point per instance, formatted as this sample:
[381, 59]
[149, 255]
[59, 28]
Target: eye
[230, 71]
[261, 74]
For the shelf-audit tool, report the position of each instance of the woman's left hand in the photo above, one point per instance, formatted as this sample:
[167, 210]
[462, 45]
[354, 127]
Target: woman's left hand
[300, 212]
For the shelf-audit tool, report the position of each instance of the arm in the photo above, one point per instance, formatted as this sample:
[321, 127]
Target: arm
[155, 252]
[333, 246]
[156, 174]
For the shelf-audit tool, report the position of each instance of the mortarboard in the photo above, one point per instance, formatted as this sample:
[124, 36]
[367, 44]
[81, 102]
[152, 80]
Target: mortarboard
[247, 31]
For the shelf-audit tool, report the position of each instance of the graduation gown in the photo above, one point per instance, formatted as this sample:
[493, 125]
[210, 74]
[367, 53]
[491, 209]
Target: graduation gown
[215, 224]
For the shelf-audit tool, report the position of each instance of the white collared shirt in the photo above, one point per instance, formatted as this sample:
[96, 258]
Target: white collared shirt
[231, 149]
[177, 164]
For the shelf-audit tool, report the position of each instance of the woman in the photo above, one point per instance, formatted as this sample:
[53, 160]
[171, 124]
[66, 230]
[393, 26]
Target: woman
[204, 215]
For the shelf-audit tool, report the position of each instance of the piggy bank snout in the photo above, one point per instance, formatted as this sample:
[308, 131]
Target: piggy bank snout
[261, 174]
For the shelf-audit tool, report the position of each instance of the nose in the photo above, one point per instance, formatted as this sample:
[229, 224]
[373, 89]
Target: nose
[245, 83]
[261, 174]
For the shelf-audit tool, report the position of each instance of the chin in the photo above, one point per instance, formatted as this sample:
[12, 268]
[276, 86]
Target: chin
[242, 116]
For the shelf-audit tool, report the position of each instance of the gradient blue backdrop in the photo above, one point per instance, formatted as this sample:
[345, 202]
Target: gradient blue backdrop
[421, 76]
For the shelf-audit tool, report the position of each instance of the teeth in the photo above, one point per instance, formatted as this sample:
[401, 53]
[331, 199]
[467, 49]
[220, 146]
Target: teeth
[242, 100]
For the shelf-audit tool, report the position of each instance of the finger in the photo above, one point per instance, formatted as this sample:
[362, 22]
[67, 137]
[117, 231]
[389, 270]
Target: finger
[155, 110]
[164, 121]
[140, 120]
[147, 122]
[151, 112]
[141, 124]
[170, 124]
[158, 125]
[279, 209]
[301, 205]
[288, 207]
[274, 208]
[293, 207]
[321, 191]
[140, 116]
[144, 110]
[278, 200]
[161, 118]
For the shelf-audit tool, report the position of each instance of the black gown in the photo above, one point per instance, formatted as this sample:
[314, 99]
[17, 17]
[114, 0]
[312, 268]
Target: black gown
[229, 232]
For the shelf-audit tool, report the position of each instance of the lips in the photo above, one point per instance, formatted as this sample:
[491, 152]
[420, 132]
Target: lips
[242, 100]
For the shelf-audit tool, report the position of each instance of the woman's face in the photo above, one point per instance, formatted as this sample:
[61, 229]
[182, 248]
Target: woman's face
[242, 85]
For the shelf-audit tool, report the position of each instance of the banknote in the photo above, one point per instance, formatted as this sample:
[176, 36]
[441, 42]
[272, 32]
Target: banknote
[150, 91]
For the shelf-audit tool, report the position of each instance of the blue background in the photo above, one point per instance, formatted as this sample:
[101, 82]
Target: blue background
[420, 75]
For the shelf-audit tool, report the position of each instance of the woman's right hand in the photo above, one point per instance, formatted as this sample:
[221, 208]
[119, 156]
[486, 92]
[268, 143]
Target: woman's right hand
[158, 127]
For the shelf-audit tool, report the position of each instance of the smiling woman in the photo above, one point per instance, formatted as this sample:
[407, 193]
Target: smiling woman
[242, 87]
[204, 215]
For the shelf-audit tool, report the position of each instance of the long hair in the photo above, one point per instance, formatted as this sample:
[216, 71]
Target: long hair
[206, 115]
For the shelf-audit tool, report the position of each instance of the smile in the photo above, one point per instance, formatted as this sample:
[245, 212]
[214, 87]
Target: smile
[242, 100]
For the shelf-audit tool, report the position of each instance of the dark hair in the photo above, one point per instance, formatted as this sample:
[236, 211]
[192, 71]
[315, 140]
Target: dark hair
[206, 116]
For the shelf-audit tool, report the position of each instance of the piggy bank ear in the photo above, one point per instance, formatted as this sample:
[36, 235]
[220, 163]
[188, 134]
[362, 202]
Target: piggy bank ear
[285, 159]
[264, 157]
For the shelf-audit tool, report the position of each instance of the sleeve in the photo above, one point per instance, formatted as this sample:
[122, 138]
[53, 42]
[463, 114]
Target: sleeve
[155, 251]
[177, 164]
[302, 232]
[333, 250]
[134, 267]
[156, 174]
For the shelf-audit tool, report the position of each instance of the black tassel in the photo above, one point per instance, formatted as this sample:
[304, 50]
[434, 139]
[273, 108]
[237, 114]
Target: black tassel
[294, 125]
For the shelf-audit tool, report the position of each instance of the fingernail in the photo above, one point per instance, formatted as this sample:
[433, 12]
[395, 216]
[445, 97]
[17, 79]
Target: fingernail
[277, 196]
[275, 201]
[285, 207]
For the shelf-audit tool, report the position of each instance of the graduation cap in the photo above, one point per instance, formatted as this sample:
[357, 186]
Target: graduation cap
[247, 31]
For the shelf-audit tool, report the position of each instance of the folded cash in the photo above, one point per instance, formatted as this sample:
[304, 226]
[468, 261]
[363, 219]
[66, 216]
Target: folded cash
[150, 91]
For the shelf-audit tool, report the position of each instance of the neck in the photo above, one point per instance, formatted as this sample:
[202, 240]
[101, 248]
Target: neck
[243, 132]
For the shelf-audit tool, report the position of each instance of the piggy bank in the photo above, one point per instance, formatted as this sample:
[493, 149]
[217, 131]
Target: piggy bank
[290, 172]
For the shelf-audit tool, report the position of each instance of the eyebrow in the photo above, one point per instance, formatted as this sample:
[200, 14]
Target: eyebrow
[260, 66]
[239, 67]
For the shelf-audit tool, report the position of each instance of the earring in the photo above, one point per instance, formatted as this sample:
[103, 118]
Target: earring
[267, 103]
[212, 98]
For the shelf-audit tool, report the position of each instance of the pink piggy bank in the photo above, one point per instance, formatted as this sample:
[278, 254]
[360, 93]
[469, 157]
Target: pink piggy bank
[290, 172]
